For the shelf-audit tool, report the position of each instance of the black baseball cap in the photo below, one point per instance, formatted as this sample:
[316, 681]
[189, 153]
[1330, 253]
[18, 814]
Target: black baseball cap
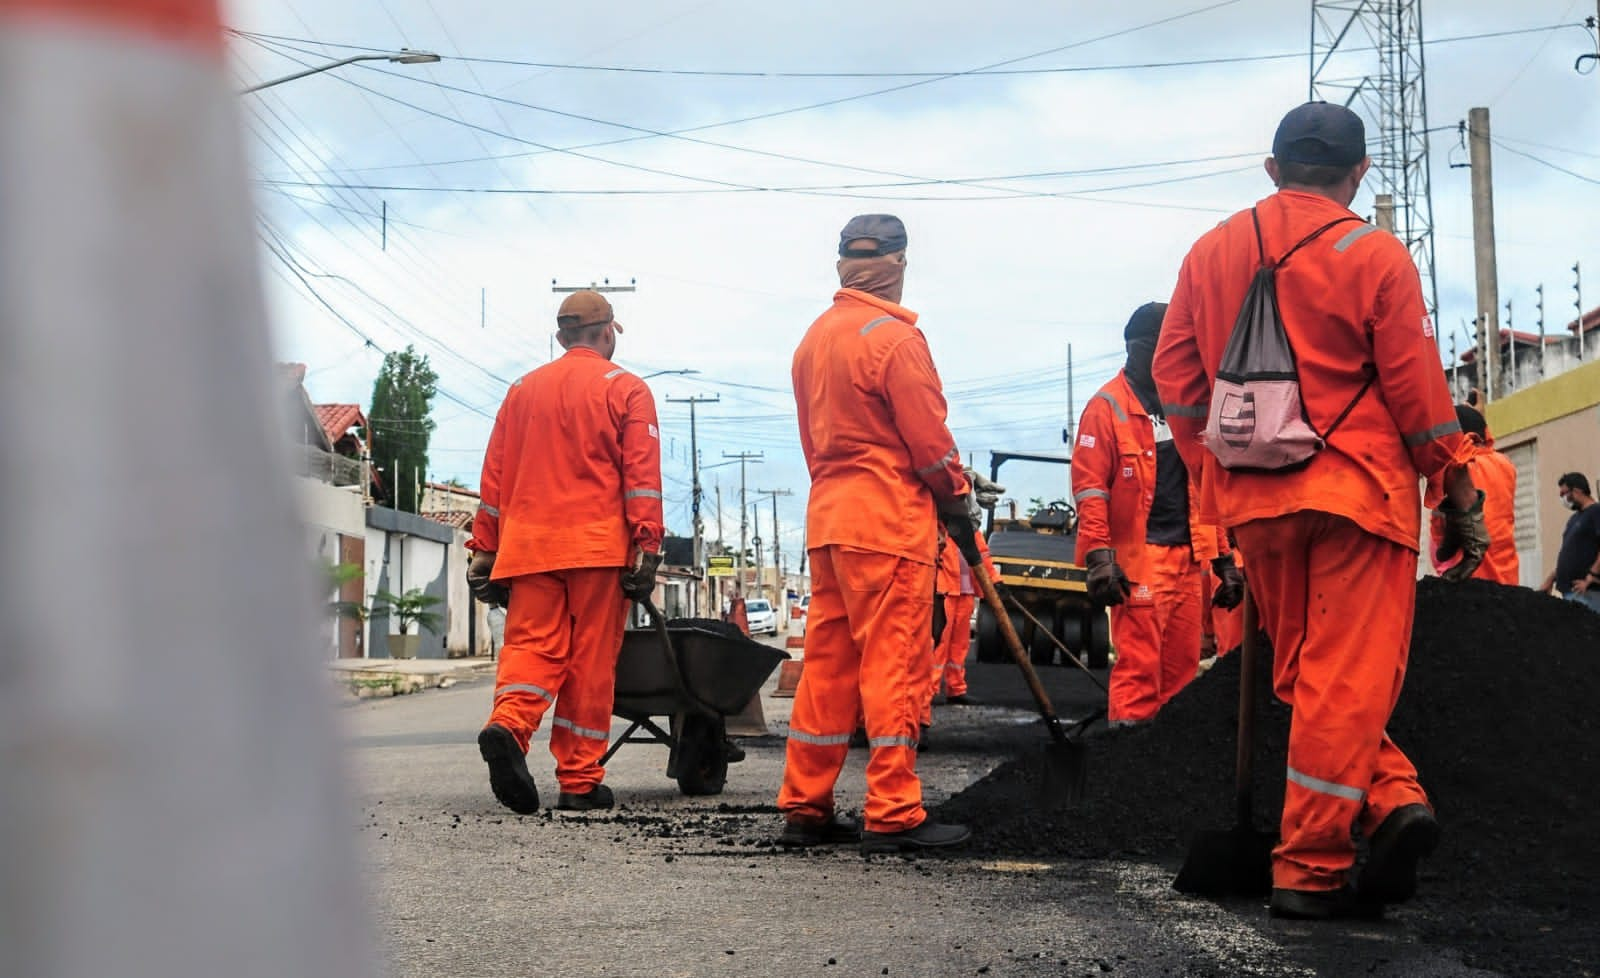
[1320, 134]
[885, 229]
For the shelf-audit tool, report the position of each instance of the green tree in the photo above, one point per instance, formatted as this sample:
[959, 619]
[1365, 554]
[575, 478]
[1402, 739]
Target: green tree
[401, 401]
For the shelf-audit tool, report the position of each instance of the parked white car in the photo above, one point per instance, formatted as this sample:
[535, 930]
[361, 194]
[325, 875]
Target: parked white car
[763, 620]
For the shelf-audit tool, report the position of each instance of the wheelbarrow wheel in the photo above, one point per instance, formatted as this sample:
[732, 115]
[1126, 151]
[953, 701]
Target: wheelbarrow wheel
[702, 755]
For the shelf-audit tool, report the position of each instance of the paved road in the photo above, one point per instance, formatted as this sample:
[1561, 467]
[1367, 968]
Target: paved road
[669, 885]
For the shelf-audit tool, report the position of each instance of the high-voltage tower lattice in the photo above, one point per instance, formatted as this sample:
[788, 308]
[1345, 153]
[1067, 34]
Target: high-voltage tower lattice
[1367, 54]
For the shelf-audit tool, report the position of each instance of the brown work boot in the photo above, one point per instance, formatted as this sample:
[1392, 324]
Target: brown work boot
[1409, 833]
[835, 830]
[1340, 904]
[508, 770]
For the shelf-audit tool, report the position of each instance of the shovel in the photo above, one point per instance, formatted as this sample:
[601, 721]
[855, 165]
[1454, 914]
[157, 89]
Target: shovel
[1236, 861]
[1066, 778]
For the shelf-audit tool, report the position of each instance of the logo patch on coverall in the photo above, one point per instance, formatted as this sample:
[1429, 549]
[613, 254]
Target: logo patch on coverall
[1427, 326]
[1087, 441]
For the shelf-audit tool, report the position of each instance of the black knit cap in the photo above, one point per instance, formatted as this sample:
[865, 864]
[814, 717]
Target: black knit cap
[885, 229]
[1145, 321]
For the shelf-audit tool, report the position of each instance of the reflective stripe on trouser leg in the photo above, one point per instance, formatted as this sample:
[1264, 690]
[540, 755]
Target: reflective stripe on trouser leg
[581, 731]
[1337, 603]
[533, 661]
[889, 604]
[827, 702]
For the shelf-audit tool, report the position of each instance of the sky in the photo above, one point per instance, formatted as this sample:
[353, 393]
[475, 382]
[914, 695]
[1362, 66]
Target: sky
[1052, 163]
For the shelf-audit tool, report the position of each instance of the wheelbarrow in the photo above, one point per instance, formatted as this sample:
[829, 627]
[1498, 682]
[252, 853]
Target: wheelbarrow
[696, 673]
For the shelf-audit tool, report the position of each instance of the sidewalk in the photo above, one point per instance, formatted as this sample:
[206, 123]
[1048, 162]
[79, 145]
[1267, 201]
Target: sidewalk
[367, 678]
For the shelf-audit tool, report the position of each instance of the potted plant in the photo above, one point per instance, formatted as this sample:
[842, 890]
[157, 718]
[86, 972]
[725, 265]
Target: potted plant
[413, 607]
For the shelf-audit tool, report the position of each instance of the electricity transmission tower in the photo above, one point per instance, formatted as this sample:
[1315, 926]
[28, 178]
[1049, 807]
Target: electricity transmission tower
[1367, 55]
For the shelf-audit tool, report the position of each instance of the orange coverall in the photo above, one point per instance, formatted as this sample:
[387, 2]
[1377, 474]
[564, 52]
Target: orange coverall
[571, 487]
[872, 424]
[1496, 475]
[1156, 630]
[1332, 546]
[1227, 626]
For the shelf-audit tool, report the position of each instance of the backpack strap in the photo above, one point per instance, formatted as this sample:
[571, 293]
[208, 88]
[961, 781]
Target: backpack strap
[1372, 375]
[1314, 235]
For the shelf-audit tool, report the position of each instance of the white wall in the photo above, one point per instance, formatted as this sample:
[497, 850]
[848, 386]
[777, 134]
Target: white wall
[325, 512]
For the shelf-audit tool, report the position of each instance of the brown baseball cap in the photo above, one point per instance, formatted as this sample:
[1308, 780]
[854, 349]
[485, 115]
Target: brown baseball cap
[585, 308]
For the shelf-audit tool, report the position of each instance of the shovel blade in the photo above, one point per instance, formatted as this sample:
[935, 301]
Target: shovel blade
[1066, 774]
[1233, 862]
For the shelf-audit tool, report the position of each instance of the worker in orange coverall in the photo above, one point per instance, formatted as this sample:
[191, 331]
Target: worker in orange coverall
[1227, 624]
[883, 468]
[1331, 545]
[1139, 536]
[1496, 475]
[955, 596]
[569, 529]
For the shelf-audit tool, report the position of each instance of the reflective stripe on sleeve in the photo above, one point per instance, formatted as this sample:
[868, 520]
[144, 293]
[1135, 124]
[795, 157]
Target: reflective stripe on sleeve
[820, 740]
[1079, 497]
[538, 691]
[930, 469]
[875, 324]
[641, 494]
[1121, 415]
[614, 373]
[1437, 431]
[1356, 234]
[1326, 787]
[878, 742]
[490, 510]
[1185, 410]
[564, 723]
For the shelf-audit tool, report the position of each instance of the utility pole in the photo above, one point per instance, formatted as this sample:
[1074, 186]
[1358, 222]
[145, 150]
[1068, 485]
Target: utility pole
[744, 525]
[1577, 286]
[755, 542]
[1483, 252]
[694, 464]
[1072, 410]
[1538, 304]
[1383, 212]
[777, 548]
[1511, 329]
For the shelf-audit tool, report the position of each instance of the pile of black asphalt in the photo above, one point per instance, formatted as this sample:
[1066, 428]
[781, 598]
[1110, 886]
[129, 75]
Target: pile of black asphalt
[1498, 713]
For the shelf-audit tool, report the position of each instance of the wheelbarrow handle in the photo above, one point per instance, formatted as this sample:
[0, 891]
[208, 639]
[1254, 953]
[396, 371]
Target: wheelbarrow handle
[659, 622]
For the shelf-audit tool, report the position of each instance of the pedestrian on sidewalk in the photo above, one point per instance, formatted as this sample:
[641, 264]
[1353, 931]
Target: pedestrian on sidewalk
[1577, 573]
[1331, 529]
[883, 468]
[568, 531]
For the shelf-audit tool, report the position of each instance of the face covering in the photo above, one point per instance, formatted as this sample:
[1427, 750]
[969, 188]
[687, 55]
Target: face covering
[883, 277]
[1141, 355]
[1572, 504]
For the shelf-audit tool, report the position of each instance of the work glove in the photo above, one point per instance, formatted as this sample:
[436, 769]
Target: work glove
[964, 534]
[639, 579]
[1229, 591]
[490, 592]
[1108, 585]
[1464, 533]
[985, 491]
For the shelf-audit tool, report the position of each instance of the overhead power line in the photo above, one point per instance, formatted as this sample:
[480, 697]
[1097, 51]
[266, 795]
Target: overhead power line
[973, 73]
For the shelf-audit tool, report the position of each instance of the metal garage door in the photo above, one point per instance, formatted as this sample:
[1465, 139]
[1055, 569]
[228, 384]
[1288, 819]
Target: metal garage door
[1526, 459]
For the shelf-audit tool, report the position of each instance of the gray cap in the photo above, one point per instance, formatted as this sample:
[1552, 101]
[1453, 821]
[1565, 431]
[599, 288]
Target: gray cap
[1320, 134]
[885, 229]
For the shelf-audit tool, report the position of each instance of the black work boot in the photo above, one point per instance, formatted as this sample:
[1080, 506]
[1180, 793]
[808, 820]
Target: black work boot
[836, 830]
[1340, 904]
[508, 770]
[597, 797]
[928, 835]
[1408, 834]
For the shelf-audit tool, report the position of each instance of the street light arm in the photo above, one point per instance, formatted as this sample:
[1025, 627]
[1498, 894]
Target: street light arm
[401, 57]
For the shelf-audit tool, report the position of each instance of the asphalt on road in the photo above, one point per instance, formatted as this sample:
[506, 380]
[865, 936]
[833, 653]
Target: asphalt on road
[670, 885]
